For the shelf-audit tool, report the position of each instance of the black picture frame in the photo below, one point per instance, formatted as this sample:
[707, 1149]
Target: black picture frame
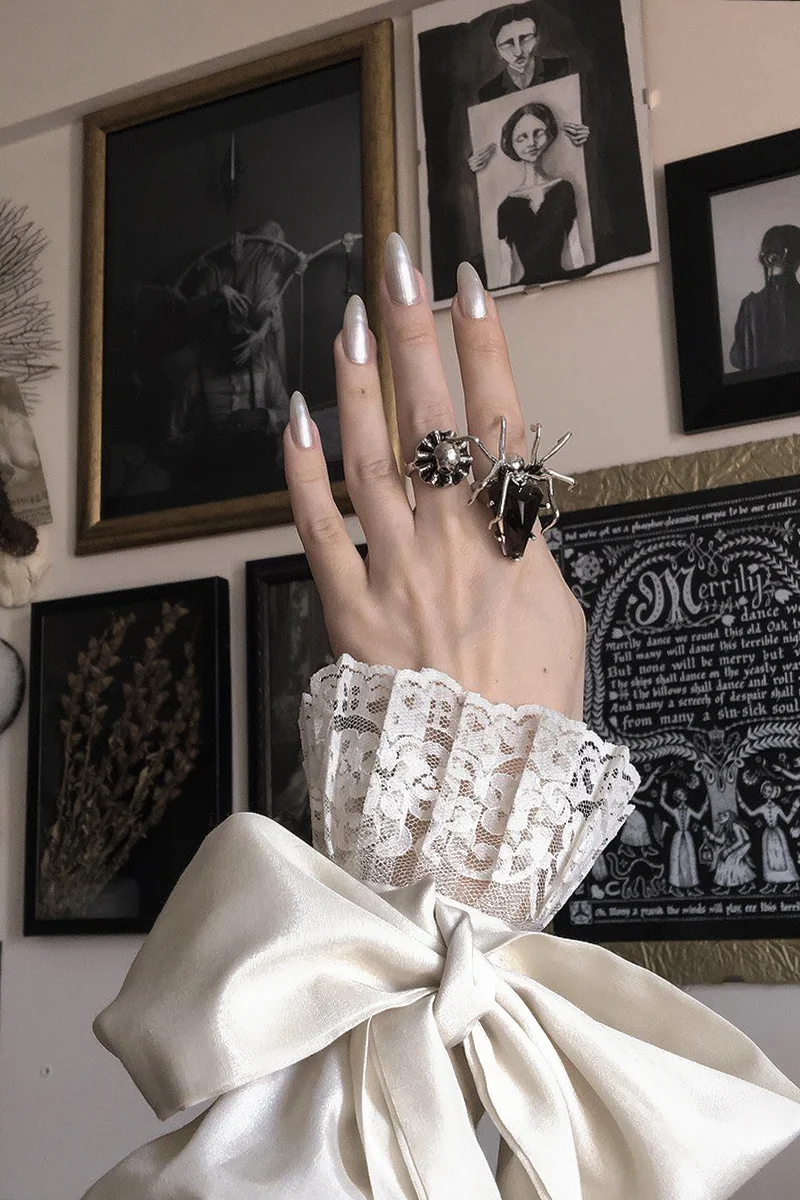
[714, 392]
[281, 655]
[687, 571]
[116, 692]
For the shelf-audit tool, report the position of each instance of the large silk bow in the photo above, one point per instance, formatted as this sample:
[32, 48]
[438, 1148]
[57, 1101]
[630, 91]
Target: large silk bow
[605, 1082]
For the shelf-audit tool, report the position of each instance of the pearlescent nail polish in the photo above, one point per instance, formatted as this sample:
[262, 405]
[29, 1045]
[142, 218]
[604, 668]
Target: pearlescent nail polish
[355, 331]
[401, 278]
[471, 293]
[300, 422]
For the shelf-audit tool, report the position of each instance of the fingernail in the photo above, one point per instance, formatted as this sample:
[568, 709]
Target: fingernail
[471, 293]
[401, 278]
[355, 331]
[300, 422]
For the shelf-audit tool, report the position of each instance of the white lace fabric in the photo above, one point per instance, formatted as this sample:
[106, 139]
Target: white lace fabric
[411, 776]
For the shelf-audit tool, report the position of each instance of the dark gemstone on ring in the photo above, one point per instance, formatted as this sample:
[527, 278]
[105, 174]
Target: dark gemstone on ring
[523, 501]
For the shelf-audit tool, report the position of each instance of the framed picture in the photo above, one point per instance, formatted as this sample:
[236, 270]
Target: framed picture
[532, 124]
[287, 642]
[734, 228]
[691, 589]
[129, 759]
[226, 222]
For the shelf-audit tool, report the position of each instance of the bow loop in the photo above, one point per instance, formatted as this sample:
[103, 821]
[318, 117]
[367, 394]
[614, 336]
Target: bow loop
[468, 985]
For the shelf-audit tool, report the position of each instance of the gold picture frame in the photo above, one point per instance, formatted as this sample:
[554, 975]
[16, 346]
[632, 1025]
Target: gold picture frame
[372, 48]
[758, 960]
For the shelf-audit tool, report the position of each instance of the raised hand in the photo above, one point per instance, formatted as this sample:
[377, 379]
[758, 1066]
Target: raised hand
[436, 590]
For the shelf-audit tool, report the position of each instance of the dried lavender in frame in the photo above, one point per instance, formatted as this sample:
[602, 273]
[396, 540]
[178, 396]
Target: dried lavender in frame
[129, 751]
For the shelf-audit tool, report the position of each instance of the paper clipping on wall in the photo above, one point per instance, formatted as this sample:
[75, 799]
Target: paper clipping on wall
[20, 465]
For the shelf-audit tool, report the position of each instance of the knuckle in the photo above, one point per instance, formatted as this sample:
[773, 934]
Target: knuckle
[370, 470]
[432, 416]
[415, 335]
[321, 529]
[491, 345]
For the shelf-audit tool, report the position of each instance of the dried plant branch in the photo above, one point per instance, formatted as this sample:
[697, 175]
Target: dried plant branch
[26, 320]
[116, 784]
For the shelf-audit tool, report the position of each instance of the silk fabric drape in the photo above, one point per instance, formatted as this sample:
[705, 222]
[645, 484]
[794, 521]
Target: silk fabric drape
[342, 1034]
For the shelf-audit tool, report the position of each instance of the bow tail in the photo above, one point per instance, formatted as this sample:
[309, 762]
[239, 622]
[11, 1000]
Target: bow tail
[415, 1125]
[522, 1082]
[633, 1117]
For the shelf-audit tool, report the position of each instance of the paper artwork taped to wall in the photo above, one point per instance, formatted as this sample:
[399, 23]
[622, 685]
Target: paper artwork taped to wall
[534, 155]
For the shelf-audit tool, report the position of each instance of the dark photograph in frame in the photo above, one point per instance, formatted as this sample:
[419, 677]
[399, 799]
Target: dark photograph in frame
[226, 223]
[734, 223]
[129, 757]
[693, 661]
[532, 127]
[287, 642]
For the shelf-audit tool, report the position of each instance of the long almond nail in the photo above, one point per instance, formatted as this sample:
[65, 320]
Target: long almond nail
[401, 278]
[300, 422]
[355, 331]
[471, 293]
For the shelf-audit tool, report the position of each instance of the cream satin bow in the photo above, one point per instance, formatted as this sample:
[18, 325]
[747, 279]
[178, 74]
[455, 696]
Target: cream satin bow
[606, 1082]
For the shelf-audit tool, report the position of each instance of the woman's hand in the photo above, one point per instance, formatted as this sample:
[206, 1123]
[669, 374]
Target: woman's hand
[436, 590]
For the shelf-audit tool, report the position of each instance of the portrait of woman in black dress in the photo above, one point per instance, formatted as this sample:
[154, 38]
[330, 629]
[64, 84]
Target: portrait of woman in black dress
[538, 219]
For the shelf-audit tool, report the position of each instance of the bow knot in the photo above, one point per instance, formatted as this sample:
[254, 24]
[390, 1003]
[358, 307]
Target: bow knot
[468, 985]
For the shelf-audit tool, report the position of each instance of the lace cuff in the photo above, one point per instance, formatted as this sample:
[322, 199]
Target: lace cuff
[410, 775]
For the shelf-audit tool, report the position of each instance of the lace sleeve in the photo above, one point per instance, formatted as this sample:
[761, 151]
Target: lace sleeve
[410, 775]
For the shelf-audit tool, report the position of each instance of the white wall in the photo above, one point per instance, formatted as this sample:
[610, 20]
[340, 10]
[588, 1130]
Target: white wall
[597, 356]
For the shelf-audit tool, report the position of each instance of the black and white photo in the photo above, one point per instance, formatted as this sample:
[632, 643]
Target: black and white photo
[757, 257]
[580, 196]
[231, 227]
[734, 231]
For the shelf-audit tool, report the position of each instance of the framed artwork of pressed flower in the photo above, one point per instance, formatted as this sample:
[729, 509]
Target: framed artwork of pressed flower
[688, 570]
[226, 222]
[129, 760]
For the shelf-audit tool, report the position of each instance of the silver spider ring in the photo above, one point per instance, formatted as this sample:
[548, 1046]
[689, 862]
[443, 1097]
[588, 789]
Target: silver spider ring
[518, 492]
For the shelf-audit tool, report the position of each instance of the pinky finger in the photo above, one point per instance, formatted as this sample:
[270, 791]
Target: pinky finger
[336, 565]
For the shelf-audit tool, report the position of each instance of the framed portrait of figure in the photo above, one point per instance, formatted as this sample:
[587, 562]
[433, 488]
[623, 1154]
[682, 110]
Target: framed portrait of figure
[688, 571]
[734, 228]
[532, 125]
[226, 222]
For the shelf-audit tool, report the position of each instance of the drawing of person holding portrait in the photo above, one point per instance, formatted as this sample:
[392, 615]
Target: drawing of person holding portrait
[515, 35]
[476, 66]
